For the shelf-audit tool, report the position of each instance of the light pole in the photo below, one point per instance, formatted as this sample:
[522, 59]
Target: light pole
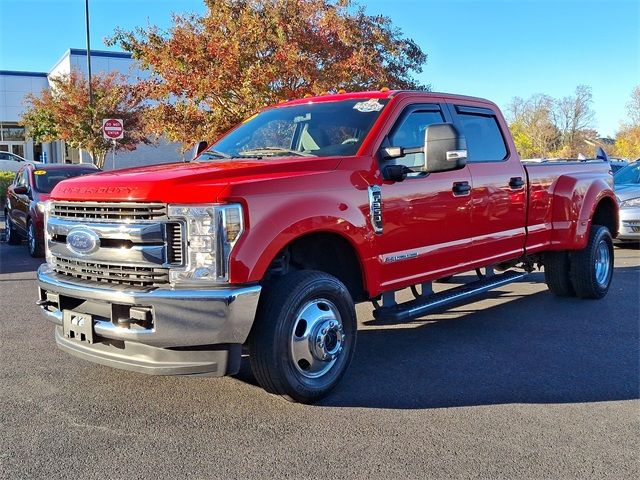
[86, 16]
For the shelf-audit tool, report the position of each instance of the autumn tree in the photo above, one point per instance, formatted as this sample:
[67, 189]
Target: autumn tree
[63, 112]
[573, 116]
[633, 106]
[628, 138]
[547, 127]
[532, 127]
[209, 72]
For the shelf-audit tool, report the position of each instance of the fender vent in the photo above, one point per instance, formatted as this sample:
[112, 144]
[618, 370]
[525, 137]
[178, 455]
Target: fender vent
[175, 254]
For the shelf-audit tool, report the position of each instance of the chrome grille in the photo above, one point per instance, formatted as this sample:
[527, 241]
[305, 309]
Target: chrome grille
[108, 211]
[134, 276]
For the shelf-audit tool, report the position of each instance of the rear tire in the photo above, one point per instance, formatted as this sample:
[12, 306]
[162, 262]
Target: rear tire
[557, 267]
[11, 235]
[304, 335]
[592, 267]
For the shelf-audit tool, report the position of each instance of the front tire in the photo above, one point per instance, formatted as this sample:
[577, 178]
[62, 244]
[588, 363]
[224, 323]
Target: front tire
[592, 267]
[36, 249]
[304, 336]
[11, 235]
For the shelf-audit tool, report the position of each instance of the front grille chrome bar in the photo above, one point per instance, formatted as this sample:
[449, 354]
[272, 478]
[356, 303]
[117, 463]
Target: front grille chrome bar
[134, 276]
[108, 211]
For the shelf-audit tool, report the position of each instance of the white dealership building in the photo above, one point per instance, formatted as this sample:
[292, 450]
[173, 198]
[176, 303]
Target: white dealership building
[16, 85]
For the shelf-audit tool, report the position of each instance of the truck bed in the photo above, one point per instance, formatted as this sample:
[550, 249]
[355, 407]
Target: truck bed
[554, 188]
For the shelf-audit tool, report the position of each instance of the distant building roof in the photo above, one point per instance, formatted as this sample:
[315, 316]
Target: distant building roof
[14, 73]
[94, 53]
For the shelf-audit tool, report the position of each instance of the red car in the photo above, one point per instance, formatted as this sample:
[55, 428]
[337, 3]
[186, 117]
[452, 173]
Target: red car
[25, 199]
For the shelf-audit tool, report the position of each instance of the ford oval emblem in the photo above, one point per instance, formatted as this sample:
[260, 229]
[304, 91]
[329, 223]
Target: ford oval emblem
[83, 241]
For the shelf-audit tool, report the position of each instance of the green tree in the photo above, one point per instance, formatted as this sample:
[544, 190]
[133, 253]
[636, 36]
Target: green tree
[63, 112]
[207, 73]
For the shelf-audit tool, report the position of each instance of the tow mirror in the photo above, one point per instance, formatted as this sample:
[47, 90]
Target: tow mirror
[444, 149]
[200, 147]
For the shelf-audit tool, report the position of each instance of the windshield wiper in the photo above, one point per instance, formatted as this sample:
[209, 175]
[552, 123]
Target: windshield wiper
[214, 153]
[271, 151]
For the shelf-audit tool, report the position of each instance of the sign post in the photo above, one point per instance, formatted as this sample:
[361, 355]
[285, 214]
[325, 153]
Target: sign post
[113, 129]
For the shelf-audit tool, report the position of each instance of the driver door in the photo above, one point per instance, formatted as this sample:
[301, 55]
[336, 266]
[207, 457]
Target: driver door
[426, 224]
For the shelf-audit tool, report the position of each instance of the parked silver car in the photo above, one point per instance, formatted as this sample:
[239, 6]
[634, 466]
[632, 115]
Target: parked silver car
[627, 188]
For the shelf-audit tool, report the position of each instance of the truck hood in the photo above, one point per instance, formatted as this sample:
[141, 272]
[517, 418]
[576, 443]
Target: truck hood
[185, 182]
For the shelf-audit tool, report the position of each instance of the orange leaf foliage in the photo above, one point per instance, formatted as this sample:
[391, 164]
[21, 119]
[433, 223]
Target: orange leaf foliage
[63, 112]
[210, 72]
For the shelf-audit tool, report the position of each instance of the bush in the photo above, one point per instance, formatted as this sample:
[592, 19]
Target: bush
[5, 180]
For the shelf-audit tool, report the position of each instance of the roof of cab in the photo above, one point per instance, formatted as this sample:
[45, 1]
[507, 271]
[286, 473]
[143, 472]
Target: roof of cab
[384, 93]
[62, 166]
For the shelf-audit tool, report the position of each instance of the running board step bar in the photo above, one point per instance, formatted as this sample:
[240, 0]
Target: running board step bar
[437, 301]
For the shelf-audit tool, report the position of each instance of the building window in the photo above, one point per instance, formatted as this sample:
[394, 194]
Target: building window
[12, 133]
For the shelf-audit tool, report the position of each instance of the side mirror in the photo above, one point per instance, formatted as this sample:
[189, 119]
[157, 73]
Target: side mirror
[200, 147]
[444, 148]
[21, 190]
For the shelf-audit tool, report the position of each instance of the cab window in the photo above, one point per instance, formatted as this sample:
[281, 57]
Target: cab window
[410, 133]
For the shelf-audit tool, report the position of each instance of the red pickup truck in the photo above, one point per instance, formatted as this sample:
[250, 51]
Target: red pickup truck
[271, 235]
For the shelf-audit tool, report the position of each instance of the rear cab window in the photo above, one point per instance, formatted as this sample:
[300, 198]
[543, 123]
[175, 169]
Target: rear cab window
[480, 127]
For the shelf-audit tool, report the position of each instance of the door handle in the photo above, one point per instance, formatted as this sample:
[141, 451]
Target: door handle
[516, 182]
[461, 188]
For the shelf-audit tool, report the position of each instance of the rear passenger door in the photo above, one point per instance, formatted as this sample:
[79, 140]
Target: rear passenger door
[498, 196]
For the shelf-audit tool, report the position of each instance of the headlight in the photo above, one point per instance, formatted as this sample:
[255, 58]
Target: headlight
[210, 233]
[632, 202]
[45, 207]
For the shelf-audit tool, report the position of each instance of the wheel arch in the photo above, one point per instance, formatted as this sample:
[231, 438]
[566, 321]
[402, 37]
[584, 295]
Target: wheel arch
[325, 251]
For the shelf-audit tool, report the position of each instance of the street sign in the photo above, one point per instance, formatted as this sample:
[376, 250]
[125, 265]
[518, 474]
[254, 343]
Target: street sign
[112, 128]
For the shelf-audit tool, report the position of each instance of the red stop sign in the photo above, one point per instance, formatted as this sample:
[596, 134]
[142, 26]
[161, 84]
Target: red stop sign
[112, 128]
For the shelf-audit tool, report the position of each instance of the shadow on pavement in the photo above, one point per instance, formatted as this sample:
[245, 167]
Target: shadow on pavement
[16, 259]
[534, 349]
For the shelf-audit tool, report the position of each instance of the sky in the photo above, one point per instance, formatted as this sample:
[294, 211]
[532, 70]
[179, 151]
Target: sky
[496, 49]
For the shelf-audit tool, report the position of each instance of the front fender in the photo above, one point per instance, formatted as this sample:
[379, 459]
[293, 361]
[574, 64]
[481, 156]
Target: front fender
[277, 220]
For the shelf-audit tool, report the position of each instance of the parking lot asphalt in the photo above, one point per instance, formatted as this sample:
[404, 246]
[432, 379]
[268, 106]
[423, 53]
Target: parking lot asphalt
[519, 384]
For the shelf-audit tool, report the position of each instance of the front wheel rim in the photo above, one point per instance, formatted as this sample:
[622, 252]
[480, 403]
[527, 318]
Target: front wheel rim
[602, 266]
[7, 233]
[317, 338]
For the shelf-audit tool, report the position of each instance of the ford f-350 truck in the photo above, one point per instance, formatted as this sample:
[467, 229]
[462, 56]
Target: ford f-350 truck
[266, 241]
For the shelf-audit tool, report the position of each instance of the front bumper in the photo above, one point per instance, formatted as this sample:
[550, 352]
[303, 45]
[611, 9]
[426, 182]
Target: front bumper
[159, 331]
[629, 224]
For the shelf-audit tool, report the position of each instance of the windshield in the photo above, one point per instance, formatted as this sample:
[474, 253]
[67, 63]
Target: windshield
[311, 129]
[628, 174]
[46, 180]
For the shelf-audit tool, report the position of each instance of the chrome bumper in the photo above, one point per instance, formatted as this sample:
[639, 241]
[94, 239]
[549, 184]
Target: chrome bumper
[629, 229]
[140, 329]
